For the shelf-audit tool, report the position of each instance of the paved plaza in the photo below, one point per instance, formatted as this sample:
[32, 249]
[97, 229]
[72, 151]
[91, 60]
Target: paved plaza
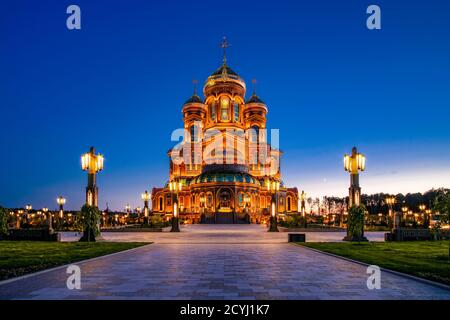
[220, 233]
[218, 262]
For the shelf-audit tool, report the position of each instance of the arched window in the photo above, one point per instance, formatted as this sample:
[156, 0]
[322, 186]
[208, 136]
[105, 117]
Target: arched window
[224, 104]
[289, 204]
[236, 112]
[254, 133]
[209, 200]
[212, 111]
[192, 133]
[160, 204]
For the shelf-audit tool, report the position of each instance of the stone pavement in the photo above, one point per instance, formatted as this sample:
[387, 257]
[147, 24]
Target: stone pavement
[224, 267]
[196, 233]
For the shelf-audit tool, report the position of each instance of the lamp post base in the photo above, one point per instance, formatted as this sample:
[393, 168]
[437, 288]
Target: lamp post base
[175, 225]
[273, 225]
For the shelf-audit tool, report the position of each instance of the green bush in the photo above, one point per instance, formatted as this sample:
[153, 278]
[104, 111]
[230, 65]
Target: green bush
[293, 221]
[88, 222]
[355, 224]
[156, 221]
[3, 223]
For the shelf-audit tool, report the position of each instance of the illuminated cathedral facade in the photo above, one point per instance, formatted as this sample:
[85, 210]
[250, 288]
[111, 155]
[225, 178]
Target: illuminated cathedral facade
[222, 170]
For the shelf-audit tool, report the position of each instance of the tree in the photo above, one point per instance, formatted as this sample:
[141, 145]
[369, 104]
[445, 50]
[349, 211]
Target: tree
[88, 222]
[3, 223]
[442, 205]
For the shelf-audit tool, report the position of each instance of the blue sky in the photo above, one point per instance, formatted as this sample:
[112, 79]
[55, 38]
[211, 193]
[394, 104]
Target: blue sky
[119, 84]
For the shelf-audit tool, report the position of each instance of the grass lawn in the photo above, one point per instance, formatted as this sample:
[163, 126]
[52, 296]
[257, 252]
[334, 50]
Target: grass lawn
[425, 259]
[21, 257]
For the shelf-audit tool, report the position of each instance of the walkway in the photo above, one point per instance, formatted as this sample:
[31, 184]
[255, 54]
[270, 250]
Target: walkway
[219, 262]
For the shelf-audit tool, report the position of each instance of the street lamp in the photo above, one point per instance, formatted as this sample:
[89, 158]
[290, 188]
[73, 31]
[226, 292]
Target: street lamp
[61, 201]
[19, 217]
[427, 218]
[28, 207]
[146, 197]
[49, 218]
[92, 163]
[353, 164]
[175, 187]
[405, 211]
[390, 201]
[202, 204]
[273, 187]
[422, 208]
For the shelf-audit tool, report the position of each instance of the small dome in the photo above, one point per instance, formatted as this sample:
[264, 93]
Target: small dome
[194, 99]
[254, 99]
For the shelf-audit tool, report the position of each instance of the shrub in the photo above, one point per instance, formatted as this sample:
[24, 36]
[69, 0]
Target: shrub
[3, 223]
[355, 224]
[88, 222]
[293, 221]
[156, 221]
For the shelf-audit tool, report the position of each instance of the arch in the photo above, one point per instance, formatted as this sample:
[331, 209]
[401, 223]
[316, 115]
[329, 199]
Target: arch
[224, 107]
[224, 197]
[160, 203]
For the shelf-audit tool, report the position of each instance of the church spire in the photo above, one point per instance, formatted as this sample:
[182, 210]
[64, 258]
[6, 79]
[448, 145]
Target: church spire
[194, 83]
[224, 45]
[254, 87]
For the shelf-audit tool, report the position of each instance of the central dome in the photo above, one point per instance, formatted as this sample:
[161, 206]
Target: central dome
[224, 69]
[224, 79]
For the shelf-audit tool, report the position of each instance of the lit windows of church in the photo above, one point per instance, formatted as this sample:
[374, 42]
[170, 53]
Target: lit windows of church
[212, 111]
[224, 105]
[236, 112]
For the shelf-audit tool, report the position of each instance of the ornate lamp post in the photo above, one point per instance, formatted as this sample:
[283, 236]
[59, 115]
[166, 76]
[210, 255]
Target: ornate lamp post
[390, 201]
[422, 208]
[92, 163]
[427, 218]
[61, 201]
[175, 188]
[28, 207]
[146, 197]
[353, 164]
[405, 211]
[273, 187]
[49, 218]
[19, 216]
[127, 212]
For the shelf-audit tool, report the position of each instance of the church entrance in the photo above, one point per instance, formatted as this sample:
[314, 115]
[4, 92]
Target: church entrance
[224, 212]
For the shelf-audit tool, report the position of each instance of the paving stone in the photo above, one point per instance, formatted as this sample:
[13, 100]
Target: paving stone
[236, 265]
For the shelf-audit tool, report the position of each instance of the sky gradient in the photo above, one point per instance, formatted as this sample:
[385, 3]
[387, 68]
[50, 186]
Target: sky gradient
[119, 84]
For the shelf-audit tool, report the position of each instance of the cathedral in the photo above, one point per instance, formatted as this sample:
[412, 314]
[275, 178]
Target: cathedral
[223, 169]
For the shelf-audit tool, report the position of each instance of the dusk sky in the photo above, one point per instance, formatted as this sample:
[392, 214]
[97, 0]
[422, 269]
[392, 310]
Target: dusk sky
[120, 82]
